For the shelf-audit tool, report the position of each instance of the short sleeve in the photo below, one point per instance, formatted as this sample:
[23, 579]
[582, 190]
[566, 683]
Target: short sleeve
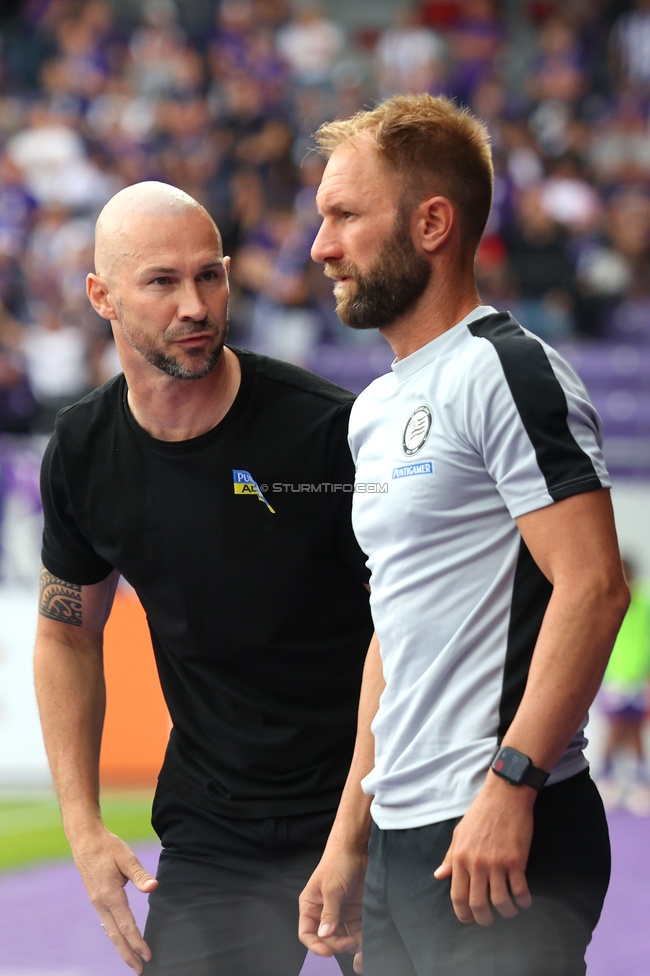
[65, 552]
[534, 424]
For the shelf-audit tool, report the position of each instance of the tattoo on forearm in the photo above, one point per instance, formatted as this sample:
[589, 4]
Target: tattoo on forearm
[60, 600]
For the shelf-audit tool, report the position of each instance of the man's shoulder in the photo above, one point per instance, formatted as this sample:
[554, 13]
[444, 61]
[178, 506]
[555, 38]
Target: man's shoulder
[295, 380]
[96, 408]
[502, 331]
[523, 357]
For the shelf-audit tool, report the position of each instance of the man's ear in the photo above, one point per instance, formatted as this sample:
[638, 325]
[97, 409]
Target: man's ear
[434, 220]
[97, 291]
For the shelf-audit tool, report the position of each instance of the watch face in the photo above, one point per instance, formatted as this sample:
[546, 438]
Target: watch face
[518, 769]
[511, 764]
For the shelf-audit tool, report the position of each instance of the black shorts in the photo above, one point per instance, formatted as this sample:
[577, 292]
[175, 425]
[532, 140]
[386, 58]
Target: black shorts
[227, 899]
[409, 926]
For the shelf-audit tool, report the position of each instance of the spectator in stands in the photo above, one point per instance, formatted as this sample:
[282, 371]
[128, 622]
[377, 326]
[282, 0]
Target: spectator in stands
[310, 43]
[17, 404]
[251, 136]
[184, 143]
[606, 261]
[54, 159]
[58, 254]
[244, 42]
[558, 73]
[409, 57]
[477, 41]
[618, 149]
[57, 363]
[543, 274]
[631, 48]
[228, 43]
[159, 53]
[84, 42]
[568, 197]
[257, 232]
[628, 225]
[287, 323]
[17, 208]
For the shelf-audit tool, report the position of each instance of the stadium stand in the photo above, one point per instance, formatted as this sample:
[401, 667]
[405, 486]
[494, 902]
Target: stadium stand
[222, 98]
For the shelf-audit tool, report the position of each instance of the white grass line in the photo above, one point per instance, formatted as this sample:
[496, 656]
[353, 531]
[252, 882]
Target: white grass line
[21, 820]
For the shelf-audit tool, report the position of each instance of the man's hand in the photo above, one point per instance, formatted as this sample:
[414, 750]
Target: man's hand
[330, 906]
[487, 858]
[105, 864]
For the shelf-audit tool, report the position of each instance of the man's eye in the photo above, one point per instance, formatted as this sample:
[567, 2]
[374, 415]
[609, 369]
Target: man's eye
[209, 275]
[160, 280]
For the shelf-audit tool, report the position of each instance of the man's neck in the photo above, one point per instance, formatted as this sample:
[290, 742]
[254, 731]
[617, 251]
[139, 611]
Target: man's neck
[178, 410]
[448, 299]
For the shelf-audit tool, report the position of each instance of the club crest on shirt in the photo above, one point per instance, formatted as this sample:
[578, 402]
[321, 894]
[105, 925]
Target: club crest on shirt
[417, 430]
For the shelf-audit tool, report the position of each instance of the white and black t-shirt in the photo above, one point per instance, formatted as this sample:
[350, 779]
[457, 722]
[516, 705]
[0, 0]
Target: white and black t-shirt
[474, 429]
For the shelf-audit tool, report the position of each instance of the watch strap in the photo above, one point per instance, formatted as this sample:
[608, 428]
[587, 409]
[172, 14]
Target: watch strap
[535, 777]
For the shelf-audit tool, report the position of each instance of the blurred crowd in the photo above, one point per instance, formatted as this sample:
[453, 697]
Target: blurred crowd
[222, 99]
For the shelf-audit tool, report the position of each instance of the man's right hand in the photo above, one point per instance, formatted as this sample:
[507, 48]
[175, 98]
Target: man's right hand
[105, 864]
[330, 906]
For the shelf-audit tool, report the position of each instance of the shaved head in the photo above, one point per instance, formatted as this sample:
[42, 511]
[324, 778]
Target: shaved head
[161, 280]
[119, 227]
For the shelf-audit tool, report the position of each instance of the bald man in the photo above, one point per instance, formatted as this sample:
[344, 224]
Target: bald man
[217, 483]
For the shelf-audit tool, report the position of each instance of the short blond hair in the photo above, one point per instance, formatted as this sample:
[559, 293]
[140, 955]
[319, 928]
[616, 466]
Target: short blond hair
[436, 146]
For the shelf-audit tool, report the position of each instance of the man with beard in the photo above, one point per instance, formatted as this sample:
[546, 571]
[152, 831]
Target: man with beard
[496, 584]
[205, 476]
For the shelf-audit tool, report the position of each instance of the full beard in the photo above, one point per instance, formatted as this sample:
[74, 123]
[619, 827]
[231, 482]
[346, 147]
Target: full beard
[389, 289]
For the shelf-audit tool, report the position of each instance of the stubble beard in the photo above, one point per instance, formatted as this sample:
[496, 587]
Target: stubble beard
[185, 371]
[171, 365]
[389, 289]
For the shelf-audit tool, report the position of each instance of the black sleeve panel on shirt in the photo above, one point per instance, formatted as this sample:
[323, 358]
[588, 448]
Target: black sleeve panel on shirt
[65, 552]
[531, 592]
[542, 406]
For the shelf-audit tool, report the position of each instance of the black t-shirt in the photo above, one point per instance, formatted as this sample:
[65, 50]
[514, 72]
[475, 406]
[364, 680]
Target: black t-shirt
[240, 548]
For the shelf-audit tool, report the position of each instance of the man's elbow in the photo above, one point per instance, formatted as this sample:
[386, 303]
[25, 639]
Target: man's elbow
[612, 598]
[621, 600]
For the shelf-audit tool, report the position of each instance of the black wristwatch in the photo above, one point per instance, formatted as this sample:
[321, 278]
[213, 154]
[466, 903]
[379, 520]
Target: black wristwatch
[518, 769]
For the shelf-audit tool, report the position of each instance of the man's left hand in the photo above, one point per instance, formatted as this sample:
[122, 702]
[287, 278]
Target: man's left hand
[487, 858]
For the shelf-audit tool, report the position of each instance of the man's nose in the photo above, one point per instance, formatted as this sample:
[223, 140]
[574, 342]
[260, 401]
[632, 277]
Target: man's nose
[325, 247]
[191, 304]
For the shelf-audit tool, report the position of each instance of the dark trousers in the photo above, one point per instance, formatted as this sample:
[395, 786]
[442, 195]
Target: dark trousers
[408, 922]
[227, 898]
